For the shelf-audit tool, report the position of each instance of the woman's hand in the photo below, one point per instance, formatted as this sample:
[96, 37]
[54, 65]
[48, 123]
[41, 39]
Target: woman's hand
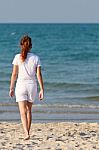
[13, 78]
[41, 94]
[11, 93]
[40, 80]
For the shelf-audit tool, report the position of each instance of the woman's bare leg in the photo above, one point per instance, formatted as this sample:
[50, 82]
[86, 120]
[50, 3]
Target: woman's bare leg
[29, 114]
[23, 113]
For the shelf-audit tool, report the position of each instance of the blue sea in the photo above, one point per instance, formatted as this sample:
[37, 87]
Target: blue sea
[69, 55]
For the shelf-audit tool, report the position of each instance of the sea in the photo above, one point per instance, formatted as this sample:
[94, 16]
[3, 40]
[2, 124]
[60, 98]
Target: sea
[69, 55]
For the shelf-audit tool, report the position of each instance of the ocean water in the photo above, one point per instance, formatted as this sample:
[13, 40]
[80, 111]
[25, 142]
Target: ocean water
[69, 56]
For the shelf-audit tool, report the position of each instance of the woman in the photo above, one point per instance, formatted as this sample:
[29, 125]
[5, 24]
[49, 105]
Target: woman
[26, 65]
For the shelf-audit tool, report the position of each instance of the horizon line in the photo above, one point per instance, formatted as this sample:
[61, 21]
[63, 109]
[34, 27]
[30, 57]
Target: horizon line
[49, 22]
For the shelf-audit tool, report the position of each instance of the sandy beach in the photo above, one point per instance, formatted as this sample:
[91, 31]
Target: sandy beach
[50, 136]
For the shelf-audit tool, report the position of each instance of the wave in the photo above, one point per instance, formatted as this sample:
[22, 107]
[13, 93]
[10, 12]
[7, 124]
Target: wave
[4, 81]
[95, 98]
[87, 88]
[47, 105]
[66, 85]
[54, 110]
[13, 33]
[59, 84]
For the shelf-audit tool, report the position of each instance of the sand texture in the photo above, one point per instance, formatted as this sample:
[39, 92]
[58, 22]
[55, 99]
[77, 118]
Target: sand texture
[50, 136]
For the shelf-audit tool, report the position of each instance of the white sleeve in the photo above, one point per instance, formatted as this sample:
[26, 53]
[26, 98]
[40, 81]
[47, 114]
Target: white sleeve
[38, 62]
[15, 60]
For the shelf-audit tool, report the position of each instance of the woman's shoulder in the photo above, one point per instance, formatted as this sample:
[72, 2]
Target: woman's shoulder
[34, 55]
[17, 55]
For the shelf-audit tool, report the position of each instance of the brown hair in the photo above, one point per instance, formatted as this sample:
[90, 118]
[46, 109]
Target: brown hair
[26, 45]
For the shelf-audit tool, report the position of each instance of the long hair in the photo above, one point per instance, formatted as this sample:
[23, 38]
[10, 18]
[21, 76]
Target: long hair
[26, 45]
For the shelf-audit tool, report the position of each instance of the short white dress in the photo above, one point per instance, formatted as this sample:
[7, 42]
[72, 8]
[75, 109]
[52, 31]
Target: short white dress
[26, 85]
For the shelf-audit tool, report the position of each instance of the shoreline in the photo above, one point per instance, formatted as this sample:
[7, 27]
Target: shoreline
[53, 135]
[57, 113]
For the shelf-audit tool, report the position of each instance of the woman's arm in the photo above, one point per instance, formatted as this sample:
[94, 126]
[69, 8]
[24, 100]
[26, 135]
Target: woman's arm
[13, 79]
[40, 81]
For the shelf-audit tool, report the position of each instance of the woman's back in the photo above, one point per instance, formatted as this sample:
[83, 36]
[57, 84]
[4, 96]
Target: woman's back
[27, 69]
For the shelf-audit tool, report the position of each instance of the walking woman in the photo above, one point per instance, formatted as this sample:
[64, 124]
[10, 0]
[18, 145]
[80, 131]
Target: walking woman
[26, 66]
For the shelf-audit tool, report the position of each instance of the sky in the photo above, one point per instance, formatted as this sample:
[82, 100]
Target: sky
[49, 11]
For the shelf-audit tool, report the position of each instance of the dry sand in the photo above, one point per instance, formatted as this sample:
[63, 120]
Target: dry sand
[50, 136]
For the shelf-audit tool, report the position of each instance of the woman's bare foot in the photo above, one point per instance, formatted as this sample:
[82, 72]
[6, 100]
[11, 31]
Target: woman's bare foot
[27, 137]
